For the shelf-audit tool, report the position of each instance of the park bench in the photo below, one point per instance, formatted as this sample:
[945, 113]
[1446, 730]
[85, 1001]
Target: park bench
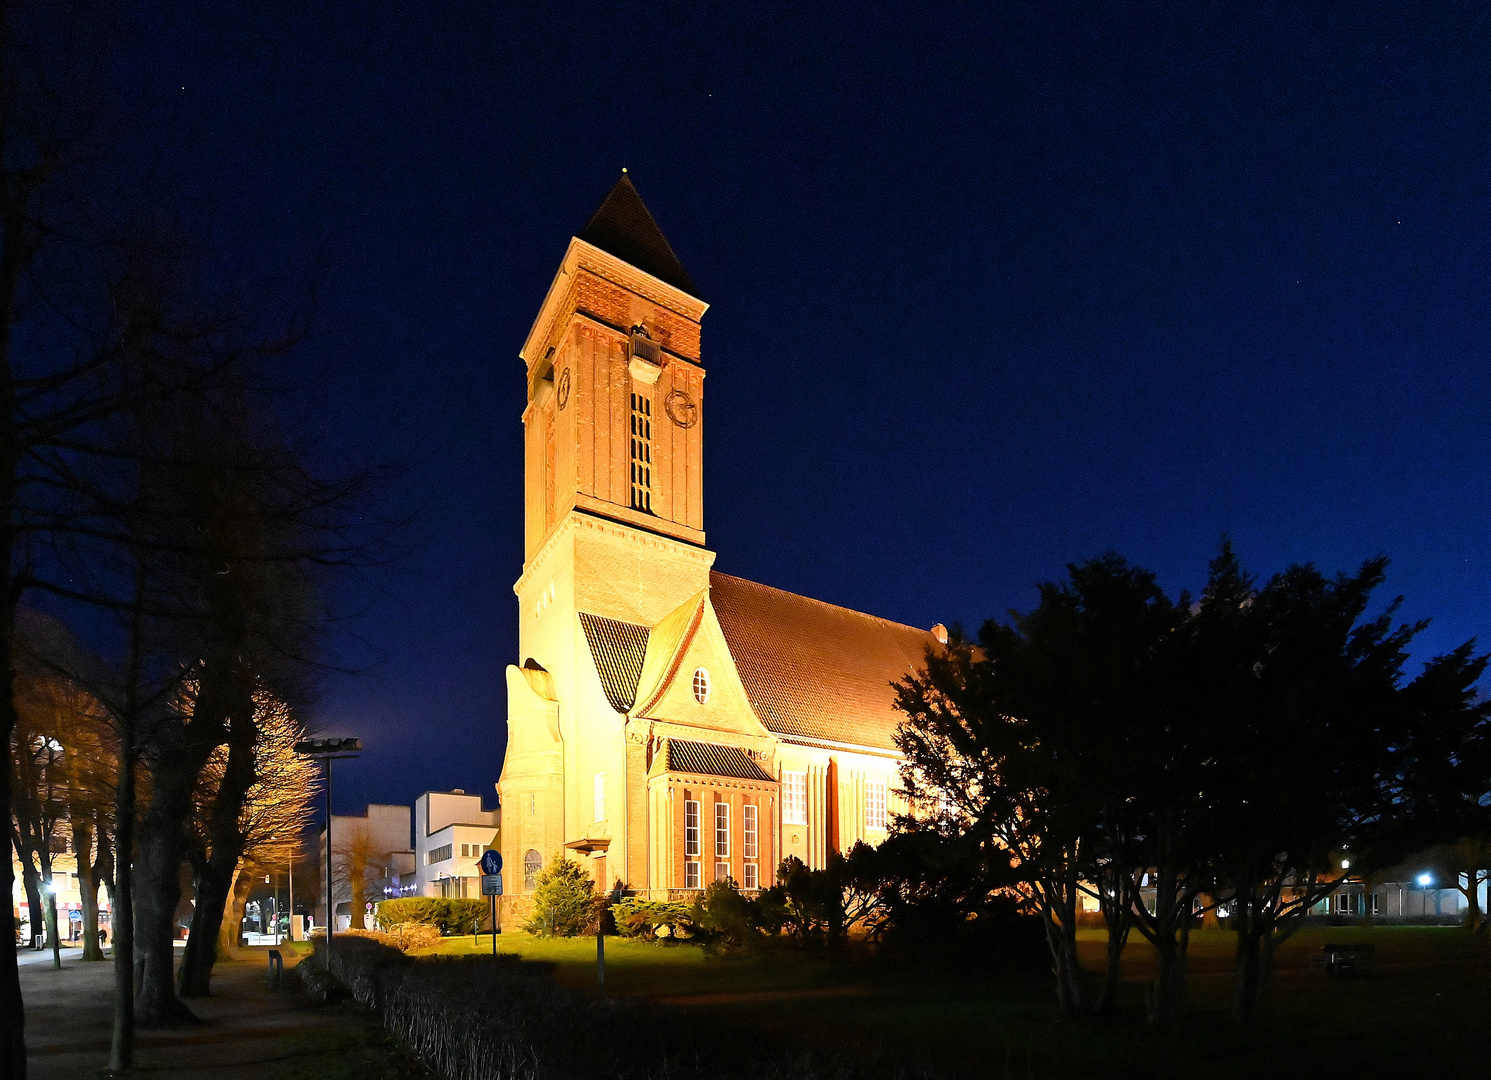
[1344, 959]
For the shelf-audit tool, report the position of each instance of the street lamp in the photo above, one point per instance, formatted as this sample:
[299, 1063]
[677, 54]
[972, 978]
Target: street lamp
[327, 751]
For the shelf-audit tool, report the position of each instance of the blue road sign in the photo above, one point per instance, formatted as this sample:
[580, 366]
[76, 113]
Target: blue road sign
[491, 862]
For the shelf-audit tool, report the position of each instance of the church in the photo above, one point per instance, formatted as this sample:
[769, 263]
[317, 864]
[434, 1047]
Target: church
[668, 725]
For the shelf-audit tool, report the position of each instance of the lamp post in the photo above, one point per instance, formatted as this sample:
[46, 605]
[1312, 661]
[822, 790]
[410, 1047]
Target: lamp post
[327, 751]
[290, 876]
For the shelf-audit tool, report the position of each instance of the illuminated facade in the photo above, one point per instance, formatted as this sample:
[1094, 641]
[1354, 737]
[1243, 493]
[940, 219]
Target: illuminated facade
[667, 723]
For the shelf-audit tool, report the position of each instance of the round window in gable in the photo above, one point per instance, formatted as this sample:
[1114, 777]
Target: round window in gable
[701, 685]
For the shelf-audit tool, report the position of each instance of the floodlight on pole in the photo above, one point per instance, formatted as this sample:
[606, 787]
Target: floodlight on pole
[329, 750]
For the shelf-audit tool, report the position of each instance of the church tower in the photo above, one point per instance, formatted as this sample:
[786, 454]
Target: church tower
[614, 524]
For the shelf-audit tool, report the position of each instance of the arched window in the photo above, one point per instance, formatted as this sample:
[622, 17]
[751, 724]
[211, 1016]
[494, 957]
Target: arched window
[532, 863]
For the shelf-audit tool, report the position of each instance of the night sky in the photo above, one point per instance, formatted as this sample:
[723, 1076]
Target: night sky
[992, 288]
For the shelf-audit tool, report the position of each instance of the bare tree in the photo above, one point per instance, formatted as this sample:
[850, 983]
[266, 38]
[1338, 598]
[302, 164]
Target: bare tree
[270, 814]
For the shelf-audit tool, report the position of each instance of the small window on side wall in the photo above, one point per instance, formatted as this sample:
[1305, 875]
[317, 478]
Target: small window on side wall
[533, 862]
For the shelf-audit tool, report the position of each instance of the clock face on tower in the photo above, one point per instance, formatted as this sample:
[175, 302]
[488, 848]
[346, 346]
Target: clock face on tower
[680, 408]
[562, 390]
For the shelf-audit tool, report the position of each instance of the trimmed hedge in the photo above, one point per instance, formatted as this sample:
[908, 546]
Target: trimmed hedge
[474, 1018]
[402, 936]
[451, 915]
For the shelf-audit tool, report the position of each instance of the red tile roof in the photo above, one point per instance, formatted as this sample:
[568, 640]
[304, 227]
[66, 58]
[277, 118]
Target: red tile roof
[812, 670]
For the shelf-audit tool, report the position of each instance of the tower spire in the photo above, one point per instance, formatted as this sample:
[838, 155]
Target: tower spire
[624, 227]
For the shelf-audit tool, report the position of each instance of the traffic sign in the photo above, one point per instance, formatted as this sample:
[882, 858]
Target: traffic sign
[491, 862]
[491, 884]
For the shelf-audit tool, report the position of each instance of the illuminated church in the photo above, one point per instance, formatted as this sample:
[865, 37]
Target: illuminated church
[668, 725]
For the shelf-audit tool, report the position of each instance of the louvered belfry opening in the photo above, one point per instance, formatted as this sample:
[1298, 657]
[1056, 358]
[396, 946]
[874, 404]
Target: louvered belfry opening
[641, 452]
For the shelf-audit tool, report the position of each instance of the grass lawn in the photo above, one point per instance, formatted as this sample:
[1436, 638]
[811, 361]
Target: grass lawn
[1427, 1006]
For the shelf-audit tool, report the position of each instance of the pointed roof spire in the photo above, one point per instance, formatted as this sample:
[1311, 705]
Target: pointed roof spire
[624, 227]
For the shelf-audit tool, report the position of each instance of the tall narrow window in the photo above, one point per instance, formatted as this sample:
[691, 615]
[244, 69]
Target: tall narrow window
[874, 806]
[721, 830]
[752, 876]
[691, 828]
[748, 825]
[532, 863]
[600, 796]
[794, 798]
[642, 453]
[532, 804]
[693, 871]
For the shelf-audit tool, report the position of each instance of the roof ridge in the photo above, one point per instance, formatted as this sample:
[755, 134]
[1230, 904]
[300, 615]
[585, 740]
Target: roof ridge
[822, 603]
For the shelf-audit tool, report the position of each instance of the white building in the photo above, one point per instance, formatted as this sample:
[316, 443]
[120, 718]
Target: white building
[451, 833]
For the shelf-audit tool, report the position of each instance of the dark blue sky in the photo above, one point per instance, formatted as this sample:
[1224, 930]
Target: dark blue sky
[993, 287]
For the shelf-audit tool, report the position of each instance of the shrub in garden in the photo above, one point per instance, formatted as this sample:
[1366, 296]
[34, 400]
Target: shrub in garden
[450, 915]
[725, 915]
[463, 915]
[564, 901]
[652, 919]
[408, 909]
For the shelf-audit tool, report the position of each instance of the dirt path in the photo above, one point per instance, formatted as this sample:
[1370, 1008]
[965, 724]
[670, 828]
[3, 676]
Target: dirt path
[247, 1031]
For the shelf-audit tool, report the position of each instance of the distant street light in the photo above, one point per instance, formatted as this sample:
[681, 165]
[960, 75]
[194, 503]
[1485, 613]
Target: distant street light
[1425, 880]
[327, 751]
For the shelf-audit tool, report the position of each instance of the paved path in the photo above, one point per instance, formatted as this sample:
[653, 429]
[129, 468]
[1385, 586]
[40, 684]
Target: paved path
[247, 1030]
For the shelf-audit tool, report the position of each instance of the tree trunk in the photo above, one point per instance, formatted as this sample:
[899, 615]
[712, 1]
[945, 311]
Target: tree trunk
[1118, 936]
[1167, 993]
[1254, 954]
[122, 908]
[1113, 901]
[231, 924]
[52, 934]
[82, 844]
[12, 1006]
[163, 843]
[1245, 986]
[1472, 893]
[214, 882]
[1059, 912]
[359, 901]
[1172, 905]
[31, 880]
[212, 899]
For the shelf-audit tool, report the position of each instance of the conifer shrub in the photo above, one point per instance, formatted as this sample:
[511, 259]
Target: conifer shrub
[564, 901]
